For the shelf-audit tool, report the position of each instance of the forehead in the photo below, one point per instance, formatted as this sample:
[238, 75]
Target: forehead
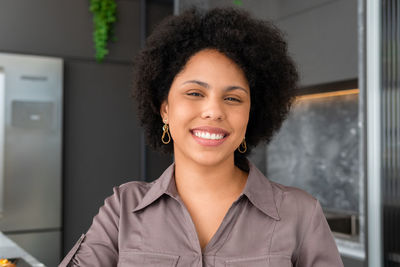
[210, 56]
[214, 65]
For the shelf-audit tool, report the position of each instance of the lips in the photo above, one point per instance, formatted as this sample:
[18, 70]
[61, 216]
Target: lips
[211, 130]
[209, 136]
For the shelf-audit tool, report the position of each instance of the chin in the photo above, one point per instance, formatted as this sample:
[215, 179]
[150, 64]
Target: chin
[210, 158]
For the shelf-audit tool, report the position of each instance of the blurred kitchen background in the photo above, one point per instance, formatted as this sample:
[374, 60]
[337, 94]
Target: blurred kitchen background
[69, 131]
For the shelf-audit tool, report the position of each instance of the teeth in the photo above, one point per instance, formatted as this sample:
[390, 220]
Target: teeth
[207, 135]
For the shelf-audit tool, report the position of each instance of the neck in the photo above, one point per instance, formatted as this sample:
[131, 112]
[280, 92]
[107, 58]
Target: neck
[220, 181]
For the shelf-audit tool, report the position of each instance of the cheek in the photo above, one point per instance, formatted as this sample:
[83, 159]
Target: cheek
[242, 119]
[180, 117]
[243, 125]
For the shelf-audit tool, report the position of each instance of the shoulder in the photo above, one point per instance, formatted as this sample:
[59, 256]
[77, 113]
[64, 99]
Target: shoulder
[135, 187]
[291, 193]
[128, 195]
[297, 210]
[134, 193]
[293, 201]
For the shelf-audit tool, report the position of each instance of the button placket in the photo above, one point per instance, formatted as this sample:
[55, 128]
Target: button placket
[213, 241]
[192, 231]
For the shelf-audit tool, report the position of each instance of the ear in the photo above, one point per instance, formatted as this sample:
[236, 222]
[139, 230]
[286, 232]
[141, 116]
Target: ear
[164, 110]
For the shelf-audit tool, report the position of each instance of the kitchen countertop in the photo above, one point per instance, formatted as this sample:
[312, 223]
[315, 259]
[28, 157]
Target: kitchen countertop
[9, 249]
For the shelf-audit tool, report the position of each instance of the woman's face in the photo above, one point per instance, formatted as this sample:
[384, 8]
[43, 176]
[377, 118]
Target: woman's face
[207, 108]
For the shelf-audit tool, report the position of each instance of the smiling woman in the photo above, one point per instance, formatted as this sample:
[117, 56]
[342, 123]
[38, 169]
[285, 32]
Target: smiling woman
[255, 47]
[207, 109]
[210, 86]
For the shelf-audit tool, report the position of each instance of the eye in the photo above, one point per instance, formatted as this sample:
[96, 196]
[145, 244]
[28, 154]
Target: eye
[233, 99]
[194, 94]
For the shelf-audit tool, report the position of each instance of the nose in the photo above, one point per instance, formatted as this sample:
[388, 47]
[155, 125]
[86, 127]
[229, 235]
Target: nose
[213, 110]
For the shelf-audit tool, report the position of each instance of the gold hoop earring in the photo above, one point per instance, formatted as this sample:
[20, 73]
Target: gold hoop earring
[244, 145]
[165, 132]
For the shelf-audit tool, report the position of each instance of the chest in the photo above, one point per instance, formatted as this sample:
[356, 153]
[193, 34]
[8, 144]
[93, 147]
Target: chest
[207, 218]
[197, 234]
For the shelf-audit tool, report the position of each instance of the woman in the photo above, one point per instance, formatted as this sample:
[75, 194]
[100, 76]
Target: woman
[210, 86]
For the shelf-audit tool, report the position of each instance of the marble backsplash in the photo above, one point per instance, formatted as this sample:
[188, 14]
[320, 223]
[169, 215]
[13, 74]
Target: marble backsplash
[317, 149]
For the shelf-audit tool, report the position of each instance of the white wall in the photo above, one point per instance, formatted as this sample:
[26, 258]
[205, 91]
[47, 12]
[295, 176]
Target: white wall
[322, 39]
[322, 34]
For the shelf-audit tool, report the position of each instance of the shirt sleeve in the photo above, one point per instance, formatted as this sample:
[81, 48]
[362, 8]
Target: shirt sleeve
[99, 246]
[318, 247]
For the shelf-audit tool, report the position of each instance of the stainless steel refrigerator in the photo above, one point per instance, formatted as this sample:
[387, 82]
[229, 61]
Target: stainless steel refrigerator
[30, 153]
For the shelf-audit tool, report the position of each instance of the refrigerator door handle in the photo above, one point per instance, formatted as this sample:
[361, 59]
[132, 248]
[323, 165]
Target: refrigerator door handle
[2, 137]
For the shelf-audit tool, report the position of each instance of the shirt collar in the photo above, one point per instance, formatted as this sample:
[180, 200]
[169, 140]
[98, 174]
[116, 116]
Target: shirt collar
[258, 190]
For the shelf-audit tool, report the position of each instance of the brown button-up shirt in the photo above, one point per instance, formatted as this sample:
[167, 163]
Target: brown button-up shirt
[147, 224]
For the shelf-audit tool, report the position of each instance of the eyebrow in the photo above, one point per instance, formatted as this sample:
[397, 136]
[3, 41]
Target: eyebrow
[206, 85]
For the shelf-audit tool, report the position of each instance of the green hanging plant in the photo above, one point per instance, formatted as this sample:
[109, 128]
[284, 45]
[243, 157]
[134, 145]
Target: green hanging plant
[237, 2]
[104, 17]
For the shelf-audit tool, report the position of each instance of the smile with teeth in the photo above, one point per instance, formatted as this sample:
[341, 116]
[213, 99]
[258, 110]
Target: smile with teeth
[207, 135]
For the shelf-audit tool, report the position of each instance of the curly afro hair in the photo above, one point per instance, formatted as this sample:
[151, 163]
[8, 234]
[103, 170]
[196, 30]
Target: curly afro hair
[256, 46]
